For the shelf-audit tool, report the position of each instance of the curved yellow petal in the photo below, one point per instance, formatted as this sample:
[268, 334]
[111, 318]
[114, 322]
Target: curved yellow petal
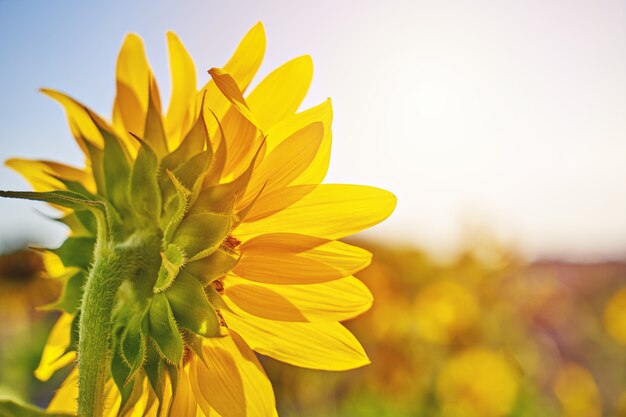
[286, 162]
[231, 379]
[320, 345]
[54, 356]
[337, 300]
[331, 211]
[323, 113]
[184, 91]
[289, 258]
[81, 125]
[243, 65]
[231, 90]
[271, 203]
[133, 80]
[280, 93]
[38, 174]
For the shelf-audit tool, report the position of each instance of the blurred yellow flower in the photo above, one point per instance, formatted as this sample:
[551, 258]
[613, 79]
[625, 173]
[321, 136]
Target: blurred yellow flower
[477, 382]
[248, 257]
[615, 316]
[577, 392]
[443, 310]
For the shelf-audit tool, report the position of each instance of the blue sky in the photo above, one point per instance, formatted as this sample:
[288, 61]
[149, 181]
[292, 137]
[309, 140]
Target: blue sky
[503, 115]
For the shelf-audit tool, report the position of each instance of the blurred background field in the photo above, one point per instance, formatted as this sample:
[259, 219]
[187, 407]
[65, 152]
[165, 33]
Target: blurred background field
[481, 334]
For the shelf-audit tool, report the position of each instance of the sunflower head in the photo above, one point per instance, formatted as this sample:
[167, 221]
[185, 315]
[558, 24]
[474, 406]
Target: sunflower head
[215, 212]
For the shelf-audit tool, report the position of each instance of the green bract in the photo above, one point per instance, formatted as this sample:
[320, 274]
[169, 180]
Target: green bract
[171, 197]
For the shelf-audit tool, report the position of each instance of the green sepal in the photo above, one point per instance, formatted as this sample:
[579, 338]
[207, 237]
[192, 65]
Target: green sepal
[71, 293]
[154, 132]
[175, 208]
[191, 307]
[216, 299]
[221, 198]
[120, 373]
[76, 251]
[201, 234]
[213, 266]
[154, 368]
[164, 330]
[9, 408]
[145, 193]
[190, 175]
[172, 260]
[128, 400]
[117, 168]
[96, 155]
[192, 144]
[133, 345]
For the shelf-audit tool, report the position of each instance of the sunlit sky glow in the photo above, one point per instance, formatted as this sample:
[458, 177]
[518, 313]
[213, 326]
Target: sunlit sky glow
[506, 114]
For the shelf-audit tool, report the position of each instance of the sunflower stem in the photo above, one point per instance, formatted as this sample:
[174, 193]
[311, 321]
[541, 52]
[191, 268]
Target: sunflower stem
[112, 265]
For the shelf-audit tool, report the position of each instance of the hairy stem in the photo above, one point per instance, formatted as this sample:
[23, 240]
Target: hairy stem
[111, 267]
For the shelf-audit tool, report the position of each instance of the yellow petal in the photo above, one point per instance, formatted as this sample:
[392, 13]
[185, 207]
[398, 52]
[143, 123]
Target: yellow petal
[337, 300]
[323, 113]
[65, 399]
[243, 65]
[54, 357]
[321, 345]
[271, 203]
[288, 258]
[229, 88]
[233, 381]
[280, 93]
[134, 78]
[184, 402]
[286, 162]
[331, 210]
[37, 173]
[82, 126]
[177, 120]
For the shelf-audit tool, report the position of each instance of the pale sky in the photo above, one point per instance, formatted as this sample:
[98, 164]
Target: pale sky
[506, 114]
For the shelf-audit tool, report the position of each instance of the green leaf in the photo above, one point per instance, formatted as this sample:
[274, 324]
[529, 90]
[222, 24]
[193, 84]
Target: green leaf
[171, 261]
[10, 408]
[213, 266]
[105, 215]
[76, 251]
[190, 175]
[154, 133]
[145, 193]
[201, 234]
[164, 331]
[64, 198]
[191, 307]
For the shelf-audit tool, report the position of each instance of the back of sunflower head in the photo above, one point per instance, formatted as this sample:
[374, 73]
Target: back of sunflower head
[167, 219]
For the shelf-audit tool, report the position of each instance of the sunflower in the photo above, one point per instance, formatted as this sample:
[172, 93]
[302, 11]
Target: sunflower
[201, 235]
